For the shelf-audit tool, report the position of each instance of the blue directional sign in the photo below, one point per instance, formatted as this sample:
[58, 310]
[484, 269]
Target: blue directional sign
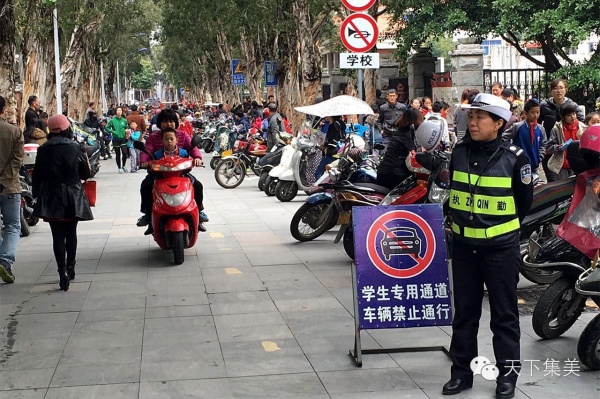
[270, 69]
[237, 76]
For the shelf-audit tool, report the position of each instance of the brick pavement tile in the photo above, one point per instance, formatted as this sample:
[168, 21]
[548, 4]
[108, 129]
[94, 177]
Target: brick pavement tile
[38, 393]
[25, 379]
[218, 388]
[278, 386]
[252, 358]
[367, 380]
[177, 311]
[233, 282]
[241, 302]
[32, 353]
[96, 374]
[113, 391]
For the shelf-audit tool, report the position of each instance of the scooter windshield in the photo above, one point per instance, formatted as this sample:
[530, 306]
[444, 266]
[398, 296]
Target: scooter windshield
[587, 214]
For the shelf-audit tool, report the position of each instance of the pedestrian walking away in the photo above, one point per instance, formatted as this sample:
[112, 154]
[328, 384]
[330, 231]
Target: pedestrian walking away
[11, 157]
[116, 127]
[59, 168]
[491, 192]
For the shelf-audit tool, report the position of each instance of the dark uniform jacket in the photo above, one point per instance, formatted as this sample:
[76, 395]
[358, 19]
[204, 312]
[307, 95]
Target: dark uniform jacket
[59, 168]
[388, 115]
[488, 210]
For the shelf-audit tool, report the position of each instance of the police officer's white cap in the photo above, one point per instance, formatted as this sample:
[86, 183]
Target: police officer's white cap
[492, 104]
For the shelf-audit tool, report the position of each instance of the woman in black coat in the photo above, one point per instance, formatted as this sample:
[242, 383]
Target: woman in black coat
[59, 168]
[392, 169]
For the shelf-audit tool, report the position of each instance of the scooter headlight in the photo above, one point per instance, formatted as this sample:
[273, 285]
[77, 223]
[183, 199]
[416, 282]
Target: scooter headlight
[175, 199]
[437, 194]
[390, 197]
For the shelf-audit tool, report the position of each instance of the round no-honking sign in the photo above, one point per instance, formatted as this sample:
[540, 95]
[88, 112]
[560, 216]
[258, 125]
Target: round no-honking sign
[359, 32]
[358, 5]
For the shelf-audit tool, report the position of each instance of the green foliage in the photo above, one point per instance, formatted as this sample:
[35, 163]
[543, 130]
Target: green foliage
[556, 24]
[144, 79]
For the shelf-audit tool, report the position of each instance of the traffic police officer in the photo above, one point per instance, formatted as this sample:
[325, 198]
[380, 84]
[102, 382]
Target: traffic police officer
[491, 192]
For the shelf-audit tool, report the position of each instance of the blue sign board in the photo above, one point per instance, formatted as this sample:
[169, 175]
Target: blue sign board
[237, 77]
[270, 69]
[401, 269]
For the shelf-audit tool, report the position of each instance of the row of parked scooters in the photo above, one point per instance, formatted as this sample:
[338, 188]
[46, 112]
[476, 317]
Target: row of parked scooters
[548, 257]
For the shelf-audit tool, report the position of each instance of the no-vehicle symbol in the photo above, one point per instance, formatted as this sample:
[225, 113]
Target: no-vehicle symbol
[400, 251]
[359, 32]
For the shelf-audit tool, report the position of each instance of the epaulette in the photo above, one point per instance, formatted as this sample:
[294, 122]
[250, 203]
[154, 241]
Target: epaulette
[513, 149]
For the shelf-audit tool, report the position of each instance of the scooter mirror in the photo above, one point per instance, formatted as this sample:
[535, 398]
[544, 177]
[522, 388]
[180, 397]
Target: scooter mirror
[138, 145]
[196, 140]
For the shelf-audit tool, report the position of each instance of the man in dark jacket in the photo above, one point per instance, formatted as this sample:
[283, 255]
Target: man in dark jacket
[134, 116]
[389, 114]
[31, 115]
[11, 157]
[275, 127]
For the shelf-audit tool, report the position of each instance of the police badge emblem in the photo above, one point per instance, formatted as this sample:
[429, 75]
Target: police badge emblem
[526, 174]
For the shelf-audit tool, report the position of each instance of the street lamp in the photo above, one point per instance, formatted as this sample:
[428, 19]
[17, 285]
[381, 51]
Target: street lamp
[141, 50]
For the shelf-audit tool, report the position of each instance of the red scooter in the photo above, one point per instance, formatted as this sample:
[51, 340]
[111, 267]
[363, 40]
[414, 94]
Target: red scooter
[175, 215]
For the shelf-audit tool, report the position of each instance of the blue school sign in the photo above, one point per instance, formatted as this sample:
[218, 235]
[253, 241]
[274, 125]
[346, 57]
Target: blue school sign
[401, 268]
[237, 76]
[270, 69]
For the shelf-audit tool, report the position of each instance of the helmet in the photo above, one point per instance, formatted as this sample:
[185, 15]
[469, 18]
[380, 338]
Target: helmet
[589, 145]
[492, 104]
[429, 134]
[189, 118]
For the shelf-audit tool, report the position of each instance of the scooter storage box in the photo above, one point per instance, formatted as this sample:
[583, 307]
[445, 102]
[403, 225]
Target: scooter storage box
[30, 154]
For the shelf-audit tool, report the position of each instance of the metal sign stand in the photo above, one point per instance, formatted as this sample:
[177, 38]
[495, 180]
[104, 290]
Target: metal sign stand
[357, 352]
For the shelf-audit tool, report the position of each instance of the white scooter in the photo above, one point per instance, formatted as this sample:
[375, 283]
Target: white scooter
[285, 163]
[297, 174]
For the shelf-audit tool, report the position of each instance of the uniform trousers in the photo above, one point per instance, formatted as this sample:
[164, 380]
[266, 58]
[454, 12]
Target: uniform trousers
[472, 266]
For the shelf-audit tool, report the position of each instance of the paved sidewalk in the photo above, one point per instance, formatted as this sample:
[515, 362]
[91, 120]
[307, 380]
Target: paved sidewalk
[250, 314]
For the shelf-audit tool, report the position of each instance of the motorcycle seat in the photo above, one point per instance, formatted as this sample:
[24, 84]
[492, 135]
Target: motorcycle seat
[372, 187]
[546, 195]
[540, 214]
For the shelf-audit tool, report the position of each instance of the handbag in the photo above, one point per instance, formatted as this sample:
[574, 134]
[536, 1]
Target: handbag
[89, 187]
[556, 161]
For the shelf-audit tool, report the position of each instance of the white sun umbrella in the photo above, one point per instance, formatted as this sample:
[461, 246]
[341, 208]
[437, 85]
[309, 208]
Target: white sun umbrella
[337, 106]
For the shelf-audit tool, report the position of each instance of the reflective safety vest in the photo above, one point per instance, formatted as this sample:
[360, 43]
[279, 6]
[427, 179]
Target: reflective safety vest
[484, 212]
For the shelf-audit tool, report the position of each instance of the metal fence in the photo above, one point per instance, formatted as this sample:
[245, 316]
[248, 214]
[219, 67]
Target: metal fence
[527, 82]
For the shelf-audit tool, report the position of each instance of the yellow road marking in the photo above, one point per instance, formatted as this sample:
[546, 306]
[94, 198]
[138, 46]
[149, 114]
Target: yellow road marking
[216, 235]
[270, 346]
[232, 270]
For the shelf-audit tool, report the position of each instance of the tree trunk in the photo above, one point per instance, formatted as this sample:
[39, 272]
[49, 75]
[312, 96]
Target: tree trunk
[370, 81]
[38, 52]
[7, 59]
[303, 83]
[80, 70]
[251, 48]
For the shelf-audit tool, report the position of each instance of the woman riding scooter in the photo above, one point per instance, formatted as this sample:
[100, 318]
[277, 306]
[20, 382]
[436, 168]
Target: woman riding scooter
[168, 119]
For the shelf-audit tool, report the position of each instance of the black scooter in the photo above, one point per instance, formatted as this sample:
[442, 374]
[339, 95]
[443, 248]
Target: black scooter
[588, 347]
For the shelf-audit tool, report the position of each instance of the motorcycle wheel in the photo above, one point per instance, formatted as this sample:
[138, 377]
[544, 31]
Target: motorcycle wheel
[208, 146]
[349, 242]
[286, 190]
[261, 181]
[551, 316]
[177, 246]
[94, 170]
[588, 347]
[540, 276]
[256, 169]
[229, 174]
[214, 161]
[308, 223]
[270, 186]
[24, 226]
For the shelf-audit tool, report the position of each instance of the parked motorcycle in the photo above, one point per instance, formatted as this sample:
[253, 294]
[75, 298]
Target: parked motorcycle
[569, 251]
[90, 145]
[270, 161]
[231, 170]
[320, 213]
[175, 215]
[223, 145]
[588, 346]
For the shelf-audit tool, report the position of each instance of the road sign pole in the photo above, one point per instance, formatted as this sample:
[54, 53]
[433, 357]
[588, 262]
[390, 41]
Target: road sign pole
[360, 84]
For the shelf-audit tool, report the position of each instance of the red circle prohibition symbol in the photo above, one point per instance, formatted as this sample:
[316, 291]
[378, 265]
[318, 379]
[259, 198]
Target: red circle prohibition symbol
[349, 28]
[422, 263]
[358, 5]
